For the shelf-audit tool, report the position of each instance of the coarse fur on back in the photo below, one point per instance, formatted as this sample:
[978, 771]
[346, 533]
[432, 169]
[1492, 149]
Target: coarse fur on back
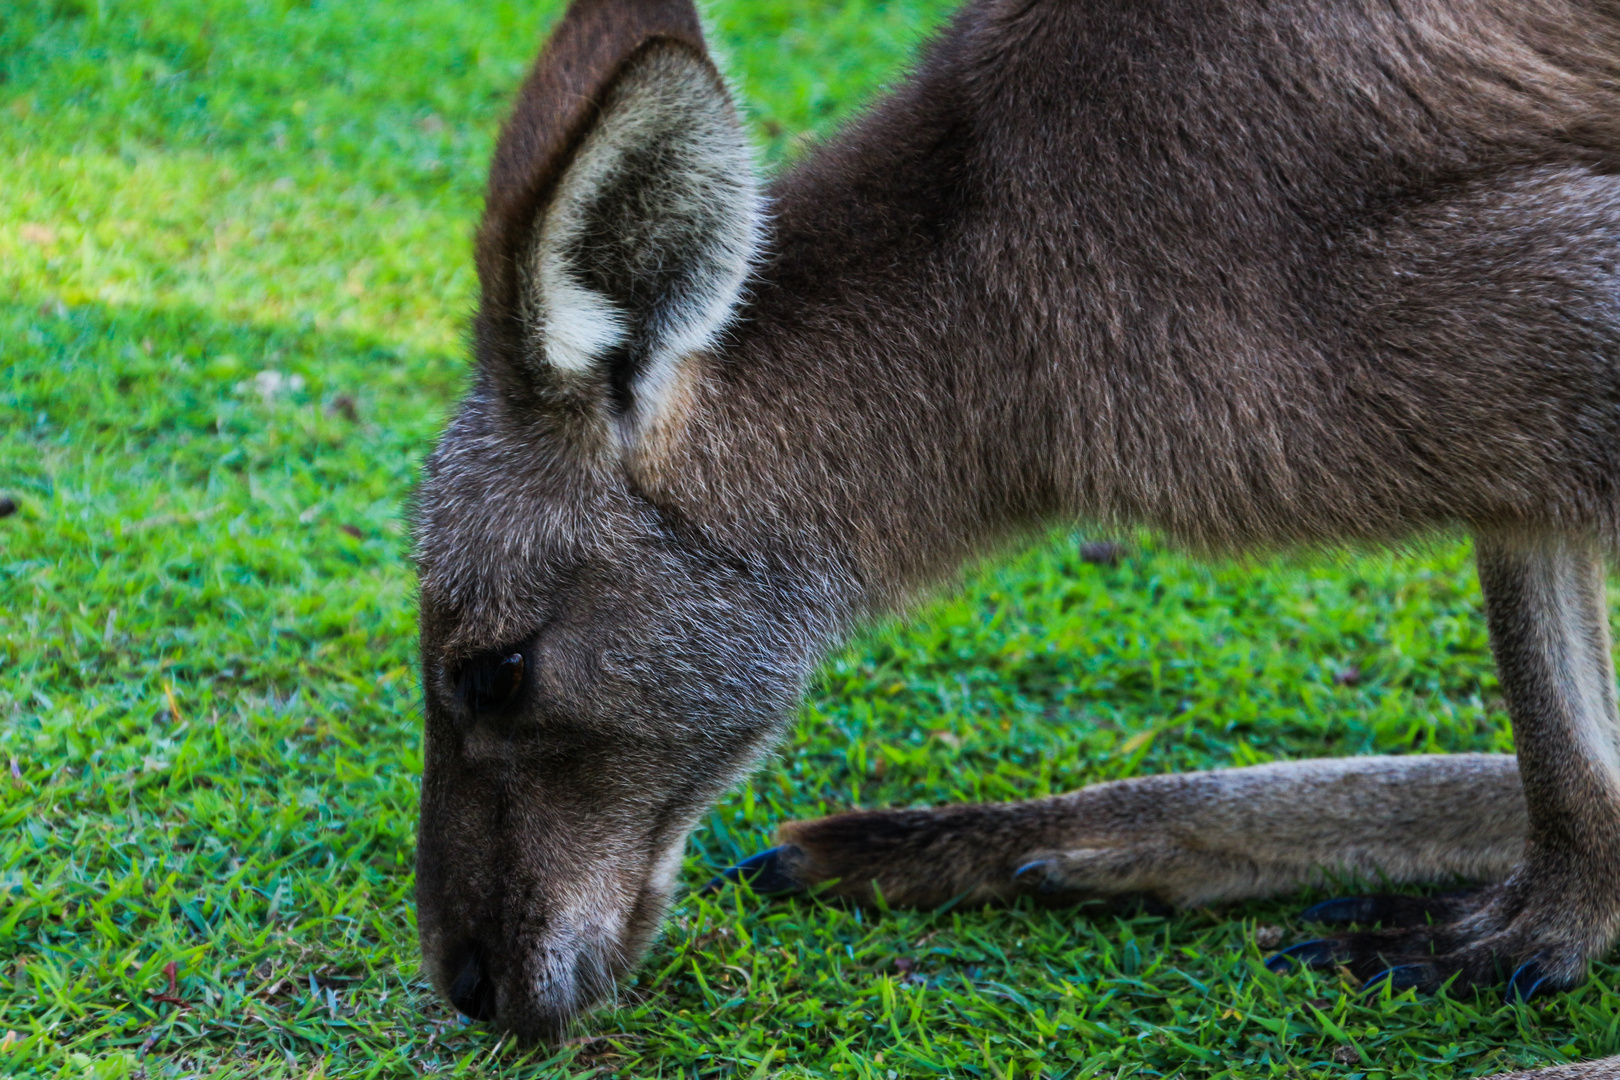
[1253, 274]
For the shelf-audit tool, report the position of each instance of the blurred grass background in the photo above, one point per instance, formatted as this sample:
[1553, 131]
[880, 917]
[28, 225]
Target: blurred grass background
[234, 280]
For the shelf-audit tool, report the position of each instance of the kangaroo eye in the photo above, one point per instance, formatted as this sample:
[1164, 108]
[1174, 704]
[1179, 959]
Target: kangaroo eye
[490, 682]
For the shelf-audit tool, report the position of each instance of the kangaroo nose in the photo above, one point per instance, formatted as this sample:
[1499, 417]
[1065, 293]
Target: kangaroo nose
[473, 993]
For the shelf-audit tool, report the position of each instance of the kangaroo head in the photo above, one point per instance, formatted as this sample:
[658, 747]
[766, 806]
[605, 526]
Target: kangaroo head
[594, 674]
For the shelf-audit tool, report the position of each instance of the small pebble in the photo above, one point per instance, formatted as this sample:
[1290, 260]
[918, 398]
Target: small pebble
[1268, 937]
[344, 405]
[7, 506]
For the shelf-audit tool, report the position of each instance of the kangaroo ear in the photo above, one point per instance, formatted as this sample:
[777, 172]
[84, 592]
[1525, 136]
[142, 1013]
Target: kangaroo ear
[623, 213]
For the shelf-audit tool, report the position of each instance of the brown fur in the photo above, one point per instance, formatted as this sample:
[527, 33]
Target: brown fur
[1253, 274]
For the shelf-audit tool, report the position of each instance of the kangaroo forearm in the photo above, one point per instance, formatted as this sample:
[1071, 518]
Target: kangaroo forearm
[1192, 838]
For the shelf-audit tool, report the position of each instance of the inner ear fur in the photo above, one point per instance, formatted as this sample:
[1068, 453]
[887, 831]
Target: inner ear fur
[623, 211]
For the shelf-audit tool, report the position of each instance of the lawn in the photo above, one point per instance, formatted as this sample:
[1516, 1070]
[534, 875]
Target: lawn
[235, 276]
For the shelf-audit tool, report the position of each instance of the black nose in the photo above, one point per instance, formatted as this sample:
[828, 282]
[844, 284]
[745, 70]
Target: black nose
[473, 993]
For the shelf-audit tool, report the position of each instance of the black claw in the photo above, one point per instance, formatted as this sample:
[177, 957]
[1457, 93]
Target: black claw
[1320, 953]
[1346, 909]
[1399, 978]
[1525, 982]
[1027, 875]
[766, 873]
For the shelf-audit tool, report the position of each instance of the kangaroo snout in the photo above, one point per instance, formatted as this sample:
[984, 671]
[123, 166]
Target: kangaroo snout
[530, 988]
[527, 961]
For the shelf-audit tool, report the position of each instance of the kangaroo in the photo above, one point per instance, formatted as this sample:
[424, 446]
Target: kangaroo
[1252, 274]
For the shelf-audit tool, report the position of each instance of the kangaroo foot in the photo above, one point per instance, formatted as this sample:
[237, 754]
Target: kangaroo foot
[1535, 939]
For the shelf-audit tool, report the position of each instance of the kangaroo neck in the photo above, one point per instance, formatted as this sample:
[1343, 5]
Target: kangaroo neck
[860, 413]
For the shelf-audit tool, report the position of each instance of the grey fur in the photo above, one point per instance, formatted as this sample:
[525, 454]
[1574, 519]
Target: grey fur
[1253, 274]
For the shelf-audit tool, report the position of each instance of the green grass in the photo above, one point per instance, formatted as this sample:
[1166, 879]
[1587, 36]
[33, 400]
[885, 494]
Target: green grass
[208, 704]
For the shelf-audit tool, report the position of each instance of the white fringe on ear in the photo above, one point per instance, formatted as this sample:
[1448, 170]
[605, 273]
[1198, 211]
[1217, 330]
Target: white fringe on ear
[669, 166]
[580, 326]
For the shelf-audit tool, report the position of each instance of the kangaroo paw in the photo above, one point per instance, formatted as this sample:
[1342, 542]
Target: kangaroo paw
[911, 858]
[1394, 910]
[770, 873]
[1532, 939]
